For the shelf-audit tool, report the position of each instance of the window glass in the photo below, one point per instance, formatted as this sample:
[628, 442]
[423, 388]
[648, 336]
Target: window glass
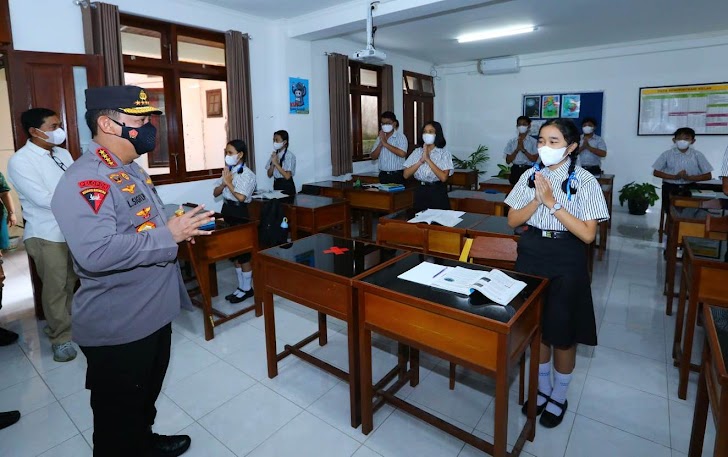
[204, 122]
[141, 42]
[157, 161]
[369, 121]
[196, 50]
[368, 78]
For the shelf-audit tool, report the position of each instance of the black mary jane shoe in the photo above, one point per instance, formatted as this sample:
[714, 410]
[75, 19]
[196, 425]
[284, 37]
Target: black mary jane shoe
[246, 295]
[9, 418]
[232, 295]
[551, 420]
[539, 409]
[168, 445]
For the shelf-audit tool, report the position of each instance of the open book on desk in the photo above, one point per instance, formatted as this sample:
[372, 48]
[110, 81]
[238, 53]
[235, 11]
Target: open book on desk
[494, 284]
[441, 216]
[269, 194]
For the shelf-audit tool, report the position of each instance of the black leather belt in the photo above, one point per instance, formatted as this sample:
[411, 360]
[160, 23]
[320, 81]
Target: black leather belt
[555, 234]
[433, 183]
[233, 202]
[395, 172]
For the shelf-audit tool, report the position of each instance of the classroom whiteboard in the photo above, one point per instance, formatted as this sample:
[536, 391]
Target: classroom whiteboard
[702, 107]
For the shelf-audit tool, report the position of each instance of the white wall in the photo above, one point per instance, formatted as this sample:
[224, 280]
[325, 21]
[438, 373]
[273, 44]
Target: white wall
[483, 109]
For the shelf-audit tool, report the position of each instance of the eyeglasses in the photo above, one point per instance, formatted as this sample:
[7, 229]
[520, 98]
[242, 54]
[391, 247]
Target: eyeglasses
[59, 162]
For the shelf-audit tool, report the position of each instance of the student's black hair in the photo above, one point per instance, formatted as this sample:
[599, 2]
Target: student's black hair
[590, 120]
[388, 115]
[240, 146]
[92, 118]
[571, 134]
[34, 118]
[523, 118]
[439, 136]
[685, 131]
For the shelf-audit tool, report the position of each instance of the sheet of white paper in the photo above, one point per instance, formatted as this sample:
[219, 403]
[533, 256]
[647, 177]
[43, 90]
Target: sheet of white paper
[424, 273]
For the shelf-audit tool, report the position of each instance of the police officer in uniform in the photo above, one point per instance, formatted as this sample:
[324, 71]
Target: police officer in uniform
[124, 252]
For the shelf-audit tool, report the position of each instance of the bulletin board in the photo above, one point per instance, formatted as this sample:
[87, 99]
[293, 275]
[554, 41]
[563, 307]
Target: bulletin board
[702, 107]
[570, 105]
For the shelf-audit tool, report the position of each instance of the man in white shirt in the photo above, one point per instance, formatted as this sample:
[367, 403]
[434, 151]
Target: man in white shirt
[34, 171]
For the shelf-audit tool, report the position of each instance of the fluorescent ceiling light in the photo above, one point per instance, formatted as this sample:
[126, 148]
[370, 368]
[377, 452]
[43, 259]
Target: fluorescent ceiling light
[496, 33]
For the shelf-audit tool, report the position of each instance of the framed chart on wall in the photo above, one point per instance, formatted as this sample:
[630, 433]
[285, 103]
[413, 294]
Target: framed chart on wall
[570, 105]
[702, 107]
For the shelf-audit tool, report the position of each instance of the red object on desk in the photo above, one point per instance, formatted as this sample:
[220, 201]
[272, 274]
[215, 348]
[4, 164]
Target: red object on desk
[336, 250]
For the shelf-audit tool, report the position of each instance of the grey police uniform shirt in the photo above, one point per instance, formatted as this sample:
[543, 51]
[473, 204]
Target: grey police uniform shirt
[124, 254]
[587, 158]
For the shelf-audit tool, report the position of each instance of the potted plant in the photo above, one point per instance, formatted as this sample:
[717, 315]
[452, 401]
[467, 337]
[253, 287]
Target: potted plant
[504, 171]
[639, 197]
[477, 157]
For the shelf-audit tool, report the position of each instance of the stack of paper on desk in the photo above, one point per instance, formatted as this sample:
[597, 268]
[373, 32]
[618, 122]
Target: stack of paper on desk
[494, 284]
[441, 216]
[269, 194]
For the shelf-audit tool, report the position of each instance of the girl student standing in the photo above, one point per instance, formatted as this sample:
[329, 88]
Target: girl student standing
[431, 165]
[562, 204]
[237, 185]
[282, 164]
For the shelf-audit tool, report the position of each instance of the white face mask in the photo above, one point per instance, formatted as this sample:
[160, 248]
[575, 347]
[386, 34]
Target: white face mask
[550, 156]
[278, 146]
[522, 129]
[587, 129]
[231, 160]
[55, 137]
[682, 144]
[428, 138]
[386, 128]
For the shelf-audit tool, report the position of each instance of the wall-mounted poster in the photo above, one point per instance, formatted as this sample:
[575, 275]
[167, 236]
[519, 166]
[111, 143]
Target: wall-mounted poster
[570, 106]
[550, 105]
[536, 126]
[298, 90]
[532, 106]
[702, 107]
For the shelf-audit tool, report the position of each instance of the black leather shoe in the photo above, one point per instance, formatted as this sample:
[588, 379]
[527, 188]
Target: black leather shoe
[551, 420]
[7, 337]
[232, 295]
[246, 295]
[168, 445]
[9, 418]
[539, 409]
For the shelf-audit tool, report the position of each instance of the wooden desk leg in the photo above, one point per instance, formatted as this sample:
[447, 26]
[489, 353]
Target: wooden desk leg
[347, 221]
[354, 376]
[721, 428]
[687, 350]
[533, 383]
[670, 269]
[203, 279]
[602, 239]
[213, 280]
[365, 354]
[500, 435]
[402, 358]
[323, 334]
[270, 334]
[414, 367]
[700, 416]
[680, 318]
[257, 280]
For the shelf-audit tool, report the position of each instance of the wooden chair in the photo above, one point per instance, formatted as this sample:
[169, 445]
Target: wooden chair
[474, 205]
[497, 253]
[408, 236]
[716, 227]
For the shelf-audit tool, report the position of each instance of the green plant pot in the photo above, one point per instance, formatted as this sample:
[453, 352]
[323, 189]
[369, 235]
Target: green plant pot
[637, 207]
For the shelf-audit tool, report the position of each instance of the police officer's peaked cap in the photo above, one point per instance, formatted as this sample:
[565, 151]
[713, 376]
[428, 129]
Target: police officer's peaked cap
[125, 99]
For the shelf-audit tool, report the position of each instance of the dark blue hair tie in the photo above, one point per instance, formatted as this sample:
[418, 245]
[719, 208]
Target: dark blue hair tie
[572, 178]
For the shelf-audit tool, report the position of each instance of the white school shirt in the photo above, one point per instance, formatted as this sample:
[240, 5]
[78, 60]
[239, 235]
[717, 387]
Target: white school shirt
[288, 164]
[389, 161]
[587, 158]
[34, 175]
[440, 156]
[243, 183]
[673, 161]
[586, 204]
[529, 143]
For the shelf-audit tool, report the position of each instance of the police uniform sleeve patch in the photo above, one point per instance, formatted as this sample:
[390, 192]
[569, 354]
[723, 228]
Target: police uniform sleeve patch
[145, 212]
[94, 192]
[129, 189]
[149, 225]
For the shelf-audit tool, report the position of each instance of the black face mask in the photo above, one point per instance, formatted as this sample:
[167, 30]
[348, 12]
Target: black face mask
[144, 138]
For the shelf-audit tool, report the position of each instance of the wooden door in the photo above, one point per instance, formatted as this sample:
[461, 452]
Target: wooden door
[6, 35]
[417, 110]
[53, 81]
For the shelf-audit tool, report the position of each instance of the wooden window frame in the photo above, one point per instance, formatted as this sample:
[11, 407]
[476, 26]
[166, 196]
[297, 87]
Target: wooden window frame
[415, 96]
[172, 70]
[356, 90]
[421, 77]
[6, 32]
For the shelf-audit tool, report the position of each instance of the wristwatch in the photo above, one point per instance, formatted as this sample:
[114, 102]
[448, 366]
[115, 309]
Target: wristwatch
[557, 206]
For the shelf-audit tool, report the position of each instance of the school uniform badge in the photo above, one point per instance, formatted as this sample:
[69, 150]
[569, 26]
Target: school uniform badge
[94, 192]
[146, 226]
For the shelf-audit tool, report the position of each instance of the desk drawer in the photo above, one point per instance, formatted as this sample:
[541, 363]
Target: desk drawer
[318, 293]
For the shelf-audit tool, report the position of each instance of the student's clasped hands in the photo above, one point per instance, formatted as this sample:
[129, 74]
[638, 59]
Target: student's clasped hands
[544, 193]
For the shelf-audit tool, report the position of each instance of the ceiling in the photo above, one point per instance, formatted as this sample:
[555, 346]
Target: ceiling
[562, 24]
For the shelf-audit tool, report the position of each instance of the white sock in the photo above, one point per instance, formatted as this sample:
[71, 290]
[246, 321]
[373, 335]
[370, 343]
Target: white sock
[247, 280]
[239, 273]
[544, 381]
[238, 293]
[561, 386]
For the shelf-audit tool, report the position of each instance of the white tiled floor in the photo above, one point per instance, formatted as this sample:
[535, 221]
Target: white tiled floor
[622, 401]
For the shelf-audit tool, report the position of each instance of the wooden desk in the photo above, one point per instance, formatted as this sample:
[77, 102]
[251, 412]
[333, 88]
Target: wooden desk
[496, 184]
[441, 240]
[310, 214]
[604, 226]
[605, 179]
[463, 178]
[704, 280]
[715, 185]
[336, 189]
[370, 177]
[459, 199]
[712, 384]
[305, 273]
[463, 330]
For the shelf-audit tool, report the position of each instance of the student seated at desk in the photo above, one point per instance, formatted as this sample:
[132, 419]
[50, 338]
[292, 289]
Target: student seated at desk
[431, 165]
[521, 151]
[562, 204]
[681, 166]
[237, 185]
[282, 164]
[391, 150]
[593, 148]
[724, 172]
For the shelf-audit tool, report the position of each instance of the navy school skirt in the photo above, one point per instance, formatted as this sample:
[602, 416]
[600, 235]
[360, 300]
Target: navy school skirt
[568, 311]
